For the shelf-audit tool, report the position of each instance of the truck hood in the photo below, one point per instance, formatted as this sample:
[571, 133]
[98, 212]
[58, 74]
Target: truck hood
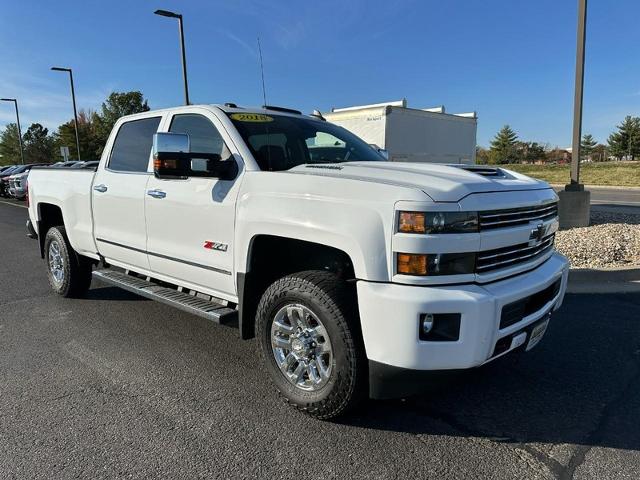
[443, 183]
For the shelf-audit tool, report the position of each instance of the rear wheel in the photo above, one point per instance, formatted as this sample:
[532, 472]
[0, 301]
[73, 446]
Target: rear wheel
[310, 340]
[69, 273]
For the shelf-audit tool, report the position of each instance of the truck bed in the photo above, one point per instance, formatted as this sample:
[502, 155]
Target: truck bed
[70, 187]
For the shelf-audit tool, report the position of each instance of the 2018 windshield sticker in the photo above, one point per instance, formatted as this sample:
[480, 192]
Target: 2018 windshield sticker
[251, 117]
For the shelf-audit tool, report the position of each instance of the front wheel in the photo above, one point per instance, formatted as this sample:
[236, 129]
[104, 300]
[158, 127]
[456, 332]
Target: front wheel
[69, 273]
[310, 341]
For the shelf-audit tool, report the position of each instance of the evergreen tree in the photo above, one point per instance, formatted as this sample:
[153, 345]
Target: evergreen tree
[504, 146]
[587, 145]
[9, 145]
[625, 143]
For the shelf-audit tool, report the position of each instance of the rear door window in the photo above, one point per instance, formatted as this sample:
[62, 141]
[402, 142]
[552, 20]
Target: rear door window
[132, 146]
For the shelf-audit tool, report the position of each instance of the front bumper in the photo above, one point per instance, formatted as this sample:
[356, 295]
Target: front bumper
[390, 315]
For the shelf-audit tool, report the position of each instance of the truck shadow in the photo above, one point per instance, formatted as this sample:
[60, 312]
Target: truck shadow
[581, 385]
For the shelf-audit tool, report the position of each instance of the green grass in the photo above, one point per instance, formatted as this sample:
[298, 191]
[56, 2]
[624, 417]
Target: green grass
[624, 174]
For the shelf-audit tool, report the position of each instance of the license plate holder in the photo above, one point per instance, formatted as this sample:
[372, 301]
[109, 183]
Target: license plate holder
[537, 333]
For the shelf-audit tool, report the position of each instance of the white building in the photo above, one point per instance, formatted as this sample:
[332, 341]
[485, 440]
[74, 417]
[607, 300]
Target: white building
[412, 134]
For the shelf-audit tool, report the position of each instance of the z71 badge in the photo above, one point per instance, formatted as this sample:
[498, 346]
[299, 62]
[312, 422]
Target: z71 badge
[215, 246]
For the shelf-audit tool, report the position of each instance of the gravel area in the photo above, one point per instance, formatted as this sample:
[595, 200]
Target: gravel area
[612, 240]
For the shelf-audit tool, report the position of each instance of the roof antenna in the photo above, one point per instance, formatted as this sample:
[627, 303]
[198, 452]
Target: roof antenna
[264, 91]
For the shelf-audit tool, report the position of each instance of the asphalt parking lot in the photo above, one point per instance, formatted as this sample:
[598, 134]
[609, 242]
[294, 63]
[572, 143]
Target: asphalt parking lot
[117, 386]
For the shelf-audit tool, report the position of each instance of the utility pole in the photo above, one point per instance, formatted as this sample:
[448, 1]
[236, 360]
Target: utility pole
[15, 103]
[73, 99]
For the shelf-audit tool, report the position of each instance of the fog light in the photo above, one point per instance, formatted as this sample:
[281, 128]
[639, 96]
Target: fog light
[427, 323]
[439, 327]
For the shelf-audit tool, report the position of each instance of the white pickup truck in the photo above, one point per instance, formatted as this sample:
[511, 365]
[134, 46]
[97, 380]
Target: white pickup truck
[359, 277]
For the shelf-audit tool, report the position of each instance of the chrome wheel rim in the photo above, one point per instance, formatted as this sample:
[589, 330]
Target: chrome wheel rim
[301, 347]
[56, 263]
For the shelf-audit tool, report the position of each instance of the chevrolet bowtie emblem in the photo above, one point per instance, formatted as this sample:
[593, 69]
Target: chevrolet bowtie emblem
[537, 233]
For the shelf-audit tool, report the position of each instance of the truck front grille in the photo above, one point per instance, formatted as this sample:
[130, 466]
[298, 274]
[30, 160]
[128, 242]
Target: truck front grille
[512, 255]
[512, 217]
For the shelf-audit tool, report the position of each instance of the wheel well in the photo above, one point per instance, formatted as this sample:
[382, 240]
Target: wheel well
[50, 216]
[272, 257]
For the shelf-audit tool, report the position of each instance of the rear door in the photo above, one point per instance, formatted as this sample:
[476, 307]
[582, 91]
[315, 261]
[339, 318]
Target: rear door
[190, 222]
[119, 194]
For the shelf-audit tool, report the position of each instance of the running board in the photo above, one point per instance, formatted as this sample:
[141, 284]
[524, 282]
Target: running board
[189, 303]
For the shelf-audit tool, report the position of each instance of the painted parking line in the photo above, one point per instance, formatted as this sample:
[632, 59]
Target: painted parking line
[13, 204]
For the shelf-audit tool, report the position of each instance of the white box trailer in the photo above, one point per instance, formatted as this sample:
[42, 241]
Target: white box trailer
[411, 134]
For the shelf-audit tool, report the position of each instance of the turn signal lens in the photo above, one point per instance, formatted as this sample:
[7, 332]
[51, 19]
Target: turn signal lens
[412, 264]
[165, 163]
[412, 222]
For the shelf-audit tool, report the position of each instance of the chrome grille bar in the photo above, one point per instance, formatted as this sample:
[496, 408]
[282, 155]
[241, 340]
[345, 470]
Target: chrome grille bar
[516, 216]
[503, 257]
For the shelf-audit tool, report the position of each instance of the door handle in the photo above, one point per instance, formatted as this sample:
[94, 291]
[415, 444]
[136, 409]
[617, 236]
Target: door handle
[156, 193]
[100, 188]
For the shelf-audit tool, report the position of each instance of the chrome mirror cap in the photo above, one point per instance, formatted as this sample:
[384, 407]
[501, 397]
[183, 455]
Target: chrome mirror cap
[171, 143]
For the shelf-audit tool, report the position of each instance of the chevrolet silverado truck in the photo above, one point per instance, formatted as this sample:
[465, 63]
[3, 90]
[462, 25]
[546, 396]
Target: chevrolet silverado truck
[358, 277]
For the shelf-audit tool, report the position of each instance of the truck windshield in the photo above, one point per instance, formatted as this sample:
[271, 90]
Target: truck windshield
[280, 142]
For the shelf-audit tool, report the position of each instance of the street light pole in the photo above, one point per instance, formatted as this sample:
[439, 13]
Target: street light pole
[15, 103]
[577, 101]
[73, 99]
[166, 13]
[574, 207]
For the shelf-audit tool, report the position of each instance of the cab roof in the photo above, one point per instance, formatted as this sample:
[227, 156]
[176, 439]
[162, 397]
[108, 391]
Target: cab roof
[229, 108]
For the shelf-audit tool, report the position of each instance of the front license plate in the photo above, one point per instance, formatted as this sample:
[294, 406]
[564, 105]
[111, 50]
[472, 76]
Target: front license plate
[537, 333]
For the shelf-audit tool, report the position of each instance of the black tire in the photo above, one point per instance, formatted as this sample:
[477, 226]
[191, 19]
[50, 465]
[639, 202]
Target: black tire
[76, 269]
[333, 302]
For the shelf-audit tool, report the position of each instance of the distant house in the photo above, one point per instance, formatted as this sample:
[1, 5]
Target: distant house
[559, 155]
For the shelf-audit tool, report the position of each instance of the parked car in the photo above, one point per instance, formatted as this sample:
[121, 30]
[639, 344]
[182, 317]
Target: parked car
[358, 276]
[4, 179]
[87, 164]
[67, 164]
[18, 181]
[92, 164]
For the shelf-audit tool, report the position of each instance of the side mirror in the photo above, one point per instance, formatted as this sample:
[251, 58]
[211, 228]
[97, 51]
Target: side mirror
[173, 159]
[384, 153]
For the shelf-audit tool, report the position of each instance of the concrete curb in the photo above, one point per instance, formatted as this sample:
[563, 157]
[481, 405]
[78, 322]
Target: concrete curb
[604, 187]
[618, 280]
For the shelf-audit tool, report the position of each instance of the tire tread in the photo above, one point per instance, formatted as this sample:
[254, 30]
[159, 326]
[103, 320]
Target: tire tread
[335, 296]
[79, 267]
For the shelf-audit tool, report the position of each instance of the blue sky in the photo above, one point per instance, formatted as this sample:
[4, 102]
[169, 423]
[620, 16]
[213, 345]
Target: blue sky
[510, 60]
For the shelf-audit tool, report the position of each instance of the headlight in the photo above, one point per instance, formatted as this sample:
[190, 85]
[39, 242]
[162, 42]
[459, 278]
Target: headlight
[436, 263]
[438, 222]
[411, 222]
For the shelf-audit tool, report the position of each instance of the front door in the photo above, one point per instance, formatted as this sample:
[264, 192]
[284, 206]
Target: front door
[190, 222]
[118, 195]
